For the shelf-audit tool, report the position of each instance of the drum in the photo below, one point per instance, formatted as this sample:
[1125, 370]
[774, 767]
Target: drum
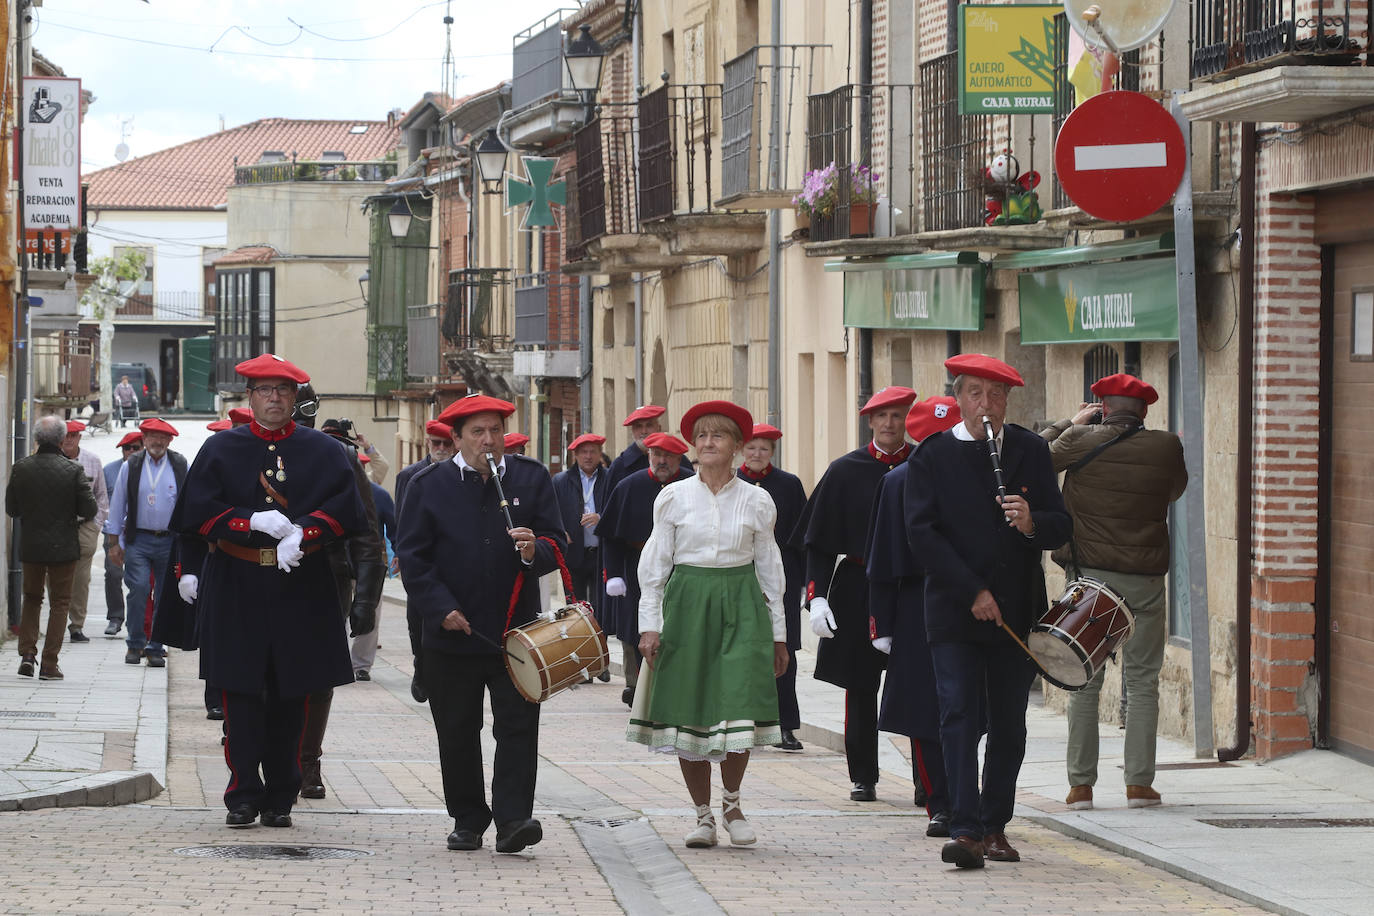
[1073, 640]
[554, 653]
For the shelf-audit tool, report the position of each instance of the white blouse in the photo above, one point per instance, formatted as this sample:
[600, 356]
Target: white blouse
[695, 527]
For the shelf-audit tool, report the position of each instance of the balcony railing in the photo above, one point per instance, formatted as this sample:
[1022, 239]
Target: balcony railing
[180, 305]
[313, 170]
[677, 130]
[762, 103]
[865, 130]
[422, 341]
[1231, 36]
[51, 250]
[63, 367]
[546, 311]
[954, 153]
[606, 199]
[538, 71]
[476, 312]
[386, 357]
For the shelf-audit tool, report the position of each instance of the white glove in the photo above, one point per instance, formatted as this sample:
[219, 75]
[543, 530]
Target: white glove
[883, 644]
[289, 551]
[271, 523]
[615, 587]
[822, 618]
[187, 586]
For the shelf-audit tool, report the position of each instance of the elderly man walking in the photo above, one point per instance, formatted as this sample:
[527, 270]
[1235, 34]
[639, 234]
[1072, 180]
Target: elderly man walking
[50, 496]
[89, 532]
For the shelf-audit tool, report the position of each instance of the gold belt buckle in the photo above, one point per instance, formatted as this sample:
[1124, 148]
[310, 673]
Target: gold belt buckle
[267, 556]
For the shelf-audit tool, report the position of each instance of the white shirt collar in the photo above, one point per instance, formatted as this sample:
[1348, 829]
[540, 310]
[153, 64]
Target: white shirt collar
[464, 467]
[963, 435]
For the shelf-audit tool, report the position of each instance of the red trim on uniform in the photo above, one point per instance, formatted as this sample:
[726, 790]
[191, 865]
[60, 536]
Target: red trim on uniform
[921, 772]
[312, 532]
[229, 761]
[896, 457]
[650, 472]
[205, 528]
[872, 628]
[272, 435]
[328, 520]
[810, 590]
[750, 475]
[240, 524]
[176, 570]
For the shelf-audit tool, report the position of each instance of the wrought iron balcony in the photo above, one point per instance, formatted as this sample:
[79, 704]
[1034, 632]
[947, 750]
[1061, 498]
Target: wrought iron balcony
[546, 311]
[678, 127]
[386, 358]
[313, 170]
[954, 150]
[762, 103]
[179, 305]
[861, 140]
[422, 341]
[1230, 37]
[64, 365]
[606, 199]
[477, 310]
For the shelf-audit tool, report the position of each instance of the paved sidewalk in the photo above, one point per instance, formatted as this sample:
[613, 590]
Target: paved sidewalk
[1291, 836]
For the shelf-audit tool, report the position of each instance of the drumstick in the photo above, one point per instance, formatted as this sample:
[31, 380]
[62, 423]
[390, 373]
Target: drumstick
[1025, 648]
[491, 642]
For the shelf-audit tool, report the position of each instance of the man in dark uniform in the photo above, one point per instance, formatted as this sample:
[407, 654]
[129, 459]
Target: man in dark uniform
[643, 423]
[982, 555]
[581, 491]
[462, 564]
[789, 497]
[439, 439]
[835, 524]
[896, 587]
[270, 628]
[625, 525]
[515, 443]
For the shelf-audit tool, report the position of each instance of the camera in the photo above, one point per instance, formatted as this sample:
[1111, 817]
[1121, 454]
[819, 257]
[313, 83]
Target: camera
[346, 425]
[1096, 418]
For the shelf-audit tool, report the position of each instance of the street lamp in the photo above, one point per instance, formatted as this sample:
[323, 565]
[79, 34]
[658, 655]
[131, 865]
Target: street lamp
[491, 162]
[398, 218]
[583, 59]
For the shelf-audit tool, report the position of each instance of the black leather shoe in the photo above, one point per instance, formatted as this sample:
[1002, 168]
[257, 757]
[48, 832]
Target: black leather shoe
[939, 824]
[242, 816]
[464, 840]
[77, 635]
[920, 798]
[133, 656]
[963, 852]
[417, 690]
[516, 835]
[112, 628]
[863, 791]
[215, 713]
[627, 696]
[361, 675]
[789, 741]
[605, 676]
[273, 819]
[26, 665]
[156, 659]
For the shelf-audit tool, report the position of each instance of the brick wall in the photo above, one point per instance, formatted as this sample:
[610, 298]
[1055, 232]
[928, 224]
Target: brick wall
[1284, 489]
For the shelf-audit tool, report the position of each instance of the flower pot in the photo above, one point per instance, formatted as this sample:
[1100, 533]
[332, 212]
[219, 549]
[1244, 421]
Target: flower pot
[860, 221]
[803, 229]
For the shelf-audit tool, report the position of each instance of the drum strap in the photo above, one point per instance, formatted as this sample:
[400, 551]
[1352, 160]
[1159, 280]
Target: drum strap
[1078, 466]
[520, 581]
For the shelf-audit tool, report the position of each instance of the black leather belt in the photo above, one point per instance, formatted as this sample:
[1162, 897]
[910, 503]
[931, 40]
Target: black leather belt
[157, 534]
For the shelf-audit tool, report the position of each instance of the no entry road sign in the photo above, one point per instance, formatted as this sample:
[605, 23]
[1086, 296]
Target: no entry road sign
[1119, 156]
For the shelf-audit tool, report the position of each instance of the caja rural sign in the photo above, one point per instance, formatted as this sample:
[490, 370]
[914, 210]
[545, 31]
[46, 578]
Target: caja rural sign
[1006, 59]
[1115, 300]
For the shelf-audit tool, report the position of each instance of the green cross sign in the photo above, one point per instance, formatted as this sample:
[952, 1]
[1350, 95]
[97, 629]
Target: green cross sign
[539, 191]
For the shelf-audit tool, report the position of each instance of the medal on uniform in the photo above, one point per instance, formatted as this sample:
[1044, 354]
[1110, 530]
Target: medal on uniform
[281, 472]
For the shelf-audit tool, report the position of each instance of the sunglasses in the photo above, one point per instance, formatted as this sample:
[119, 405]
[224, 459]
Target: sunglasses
[132, 448]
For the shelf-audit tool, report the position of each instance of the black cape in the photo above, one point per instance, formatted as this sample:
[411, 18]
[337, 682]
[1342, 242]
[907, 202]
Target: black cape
[630, 462]
[789, 496]
[625, 525]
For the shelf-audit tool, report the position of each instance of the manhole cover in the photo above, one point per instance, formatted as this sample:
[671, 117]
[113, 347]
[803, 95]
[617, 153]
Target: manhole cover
[1289, 822]
[255, 851]
[26, 714]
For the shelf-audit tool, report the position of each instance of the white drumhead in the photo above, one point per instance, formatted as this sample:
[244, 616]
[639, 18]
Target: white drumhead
[1058, 659]
[525, 676]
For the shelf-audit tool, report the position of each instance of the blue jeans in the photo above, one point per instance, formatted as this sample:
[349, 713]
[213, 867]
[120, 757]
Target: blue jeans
[963, 672]
[145, 557]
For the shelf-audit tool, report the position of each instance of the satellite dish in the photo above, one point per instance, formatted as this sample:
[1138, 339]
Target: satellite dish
[1118, 25]
[122, 152]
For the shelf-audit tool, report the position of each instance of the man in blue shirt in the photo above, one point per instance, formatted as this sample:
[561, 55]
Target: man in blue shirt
[136, 530]
[114, 575]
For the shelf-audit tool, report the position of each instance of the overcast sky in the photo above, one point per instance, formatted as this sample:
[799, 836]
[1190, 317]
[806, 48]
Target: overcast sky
[151, 69]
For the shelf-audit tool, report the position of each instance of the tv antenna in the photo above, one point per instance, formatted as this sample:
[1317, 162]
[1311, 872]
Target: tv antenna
[126, 127]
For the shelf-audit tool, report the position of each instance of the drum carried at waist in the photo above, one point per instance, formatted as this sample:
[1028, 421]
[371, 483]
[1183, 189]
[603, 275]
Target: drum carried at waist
[1072, 641]
[550, 654]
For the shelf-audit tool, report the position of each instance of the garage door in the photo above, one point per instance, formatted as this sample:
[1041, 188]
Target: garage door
[1352, 483]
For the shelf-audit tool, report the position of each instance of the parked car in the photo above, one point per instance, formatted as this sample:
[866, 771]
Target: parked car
[142, 378]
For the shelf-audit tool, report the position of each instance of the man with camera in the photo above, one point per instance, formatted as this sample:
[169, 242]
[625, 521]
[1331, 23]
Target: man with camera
[1121, 478]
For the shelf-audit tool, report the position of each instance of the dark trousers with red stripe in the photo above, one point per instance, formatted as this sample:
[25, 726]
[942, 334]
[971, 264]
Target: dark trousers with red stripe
[262, 747]
[861, 725]
[928, 768]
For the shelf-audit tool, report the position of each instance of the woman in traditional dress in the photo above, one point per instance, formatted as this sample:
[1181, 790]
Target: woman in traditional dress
[711, 621]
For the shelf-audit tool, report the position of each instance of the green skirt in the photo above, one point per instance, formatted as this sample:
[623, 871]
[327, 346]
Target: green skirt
[711, 691]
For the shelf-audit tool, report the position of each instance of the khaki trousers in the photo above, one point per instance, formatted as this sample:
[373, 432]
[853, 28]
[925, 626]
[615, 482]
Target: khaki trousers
[59, 581]
[88, 534]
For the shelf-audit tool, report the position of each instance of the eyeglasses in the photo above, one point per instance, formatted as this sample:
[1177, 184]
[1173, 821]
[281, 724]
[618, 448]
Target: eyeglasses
[132, 448]
[281, 391]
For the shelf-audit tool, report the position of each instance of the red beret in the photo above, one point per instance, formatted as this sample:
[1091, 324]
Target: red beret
[1126, 386]
[647, 412]
[474, 404]
[441, 430]
[155, 425]
[667, 442]
[219, 426]
[981, 366]
[75, 426]
[742, 419]
[269, 365]
[586, 439]
[765, 431]
[515, 440]
[891, 396]
[931, 416]
[362, 456]
[130, 438]
[241, 416]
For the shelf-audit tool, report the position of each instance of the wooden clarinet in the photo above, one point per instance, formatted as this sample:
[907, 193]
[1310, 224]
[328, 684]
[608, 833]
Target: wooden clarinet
[501, 493]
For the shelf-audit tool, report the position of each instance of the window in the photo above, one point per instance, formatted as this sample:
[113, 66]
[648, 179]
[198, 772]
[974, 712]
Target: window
[244, 321]
[1099, 362]
[333, 155]
[272, 155]
[899, 350]
[1362, 326]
